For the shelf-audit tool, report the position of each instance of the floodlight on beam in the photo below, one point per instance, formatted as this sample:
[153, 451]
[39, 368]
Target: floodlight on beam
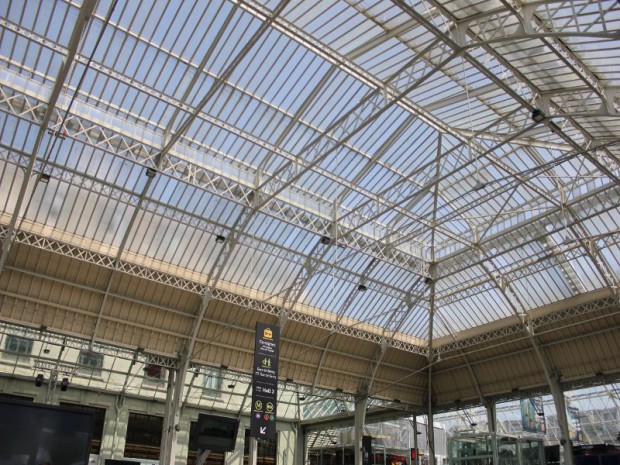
[537, 115]
[44, 178]
[220, 239]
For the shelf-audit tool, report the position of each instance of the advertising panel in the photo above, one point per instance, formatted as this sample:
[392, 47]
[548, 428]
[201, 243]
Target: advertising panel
[532, 416]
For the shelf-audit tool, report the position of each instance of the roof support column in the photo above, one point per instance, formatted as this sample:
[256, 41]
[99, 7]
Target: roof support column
[560, 408]
[172, 413]
[430, 433]
[491, 416]
[300, 445]
[114, 431]
[252, 450]
[415, 440]
[360, 418]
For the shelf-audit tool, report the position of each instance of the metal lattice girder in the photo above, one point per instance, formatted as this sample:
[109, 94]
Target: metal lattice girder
[282, 210]
[480, 284]
[300, 36]
[79, 253]
[509, 80]
[239, 189]
[328, 325]
[84, 14]
[508, 184]
[193, 174]
[562, 256]
[340, 314]
[537, 21]
[390, 330]
[48, 337]
[51, 365]
[191, 146]
[595, 202]
[455, 211]
[78, 179]
[429, 181]
[537, 322]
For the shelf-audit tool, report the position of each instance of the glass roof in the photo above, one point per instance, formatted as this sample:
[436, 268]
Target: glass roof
[389, 147]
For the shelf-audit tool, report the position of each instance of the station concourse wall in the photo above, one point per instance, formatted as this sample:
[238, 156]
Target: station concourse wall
[115, 425]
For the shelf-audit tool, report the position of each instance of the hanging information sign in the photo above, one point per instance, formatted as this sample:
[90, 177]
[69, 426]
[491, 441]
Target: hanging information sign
[265, 381]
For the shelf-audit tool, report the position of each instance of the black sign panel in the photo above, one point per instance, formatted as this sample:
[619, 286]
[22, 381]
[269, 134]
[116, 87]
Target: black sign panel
[265, 382]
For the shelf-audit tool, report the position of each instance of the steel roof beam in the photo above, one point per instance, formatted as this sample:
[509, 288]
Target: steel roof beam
[209, 178]
[180, 105]
[202, 176]
[518, 94]
[81, 22]
[597, 259]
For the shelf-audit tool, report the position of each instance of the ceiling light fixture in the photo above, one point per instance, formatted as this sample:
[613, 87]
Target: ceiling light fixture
[537, 115]
[220, 239]
[362, 288]
[44, 178]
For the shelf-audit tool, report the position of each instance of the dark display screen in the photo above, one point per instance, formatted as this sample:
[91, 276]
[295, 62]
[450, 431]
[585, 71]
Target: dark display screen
[36, 434]
[215, 433]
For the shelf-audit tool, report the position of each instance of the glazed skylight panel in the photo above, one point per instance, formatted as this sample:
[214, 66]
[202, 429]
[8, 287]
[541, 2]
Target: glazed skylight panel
[538, 228]
[580, 15]
[30, 19]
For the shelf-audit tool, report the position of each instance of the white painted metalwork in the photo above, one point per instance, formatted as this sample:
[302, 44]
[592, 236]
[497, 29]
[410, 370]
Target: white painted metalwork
[404, 178]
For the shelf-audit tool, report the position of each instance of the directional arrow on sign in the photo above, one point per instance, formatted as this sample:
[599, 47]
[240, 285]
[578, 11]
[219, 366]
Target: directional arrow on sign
[263, 430]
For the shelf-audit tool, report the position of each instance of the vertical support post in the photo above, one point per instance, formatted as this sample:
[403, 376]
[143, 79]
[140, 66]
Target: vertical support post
[415, 441]
[491, 416]
[430, 432]
[51, 387]
[114, 433]
[172, 415]
[360, 418]
[164, 452]
[253, 451]
[560, 408]
[300, 446]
